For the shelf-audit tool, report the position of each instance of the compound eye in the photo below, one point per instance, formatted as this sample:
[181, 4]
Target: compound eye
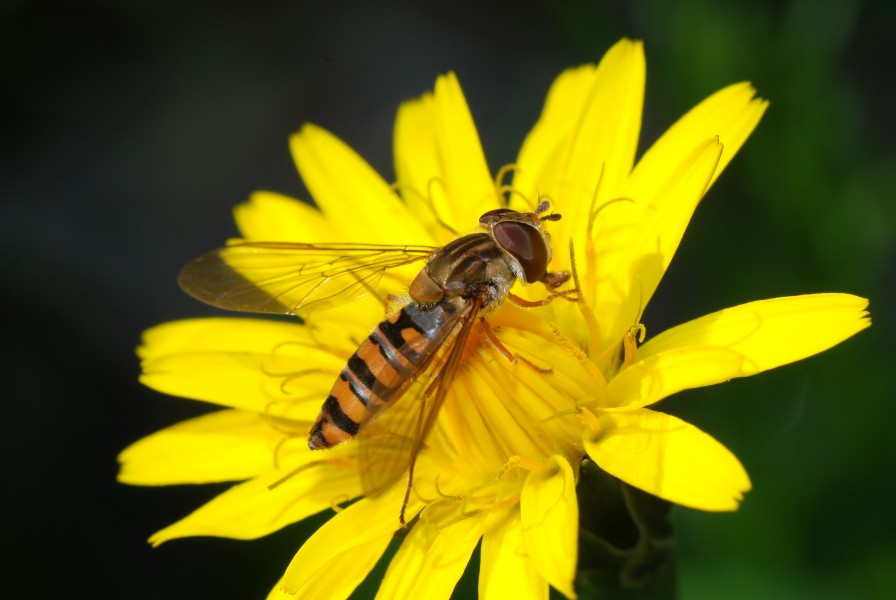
[493, 215]
[526, 244]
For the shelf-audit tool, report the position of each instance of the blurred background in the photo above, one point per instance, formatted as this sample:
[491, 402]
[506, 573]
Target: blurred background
[133, 128]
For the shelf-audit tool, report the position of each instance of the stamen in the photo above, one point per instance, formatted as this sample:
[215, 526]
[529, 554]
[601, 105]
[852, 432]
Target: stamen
[500, 175]
[592, 214]
[630, 343]
[439, 491]
[504, 504]
[592, 217]
[593, 211]
[529, 464]
[590, 420]
[461, 515]
[432, 204]
[512, 464]
[334, 503]
[281, 424]
[633, 337]
[507, 191]
[336, 462]
[427, 200]
[566, 413]
[593, 329]
[466, 507]
[279, 447]
[291, 377]
[290, 374]
[322, 344]
[597, 377]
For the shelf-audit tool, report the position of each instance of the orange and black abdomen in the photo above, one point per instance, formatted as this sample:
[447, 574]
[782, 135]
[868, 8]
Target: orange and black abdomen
[380, 370]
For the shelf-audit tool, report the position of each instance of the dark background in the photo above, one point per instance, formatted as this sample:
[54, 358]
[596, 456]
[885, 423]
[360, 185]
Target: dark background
[134, 127]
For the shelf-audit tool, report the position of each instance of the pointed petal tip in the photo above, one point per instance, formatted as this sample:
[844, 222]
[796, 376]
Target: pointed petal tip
[305, 130]
[307, 135]
[158, 538]
[743, 89]
[295, 136]
[308, 127]
[745, 340]
[447, 78]
[447, 86]
[627, 43]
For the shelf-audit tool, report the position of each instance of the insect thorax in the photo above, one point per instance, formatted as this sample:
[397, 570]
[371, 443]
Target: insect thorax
[469, 266]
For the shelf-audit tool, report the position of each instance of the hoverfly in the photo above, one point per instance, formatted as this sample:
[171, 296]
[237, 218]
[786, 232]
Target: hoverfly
[458, 285]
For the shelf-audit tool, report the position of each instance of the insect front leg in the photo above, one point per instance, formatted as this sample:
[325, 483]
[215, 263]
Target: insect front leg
[551, 281]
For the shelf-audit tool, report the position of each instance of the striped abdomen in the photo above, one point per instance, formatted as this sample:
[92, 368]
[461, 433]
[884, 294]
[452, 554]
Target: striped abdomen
[380, 370]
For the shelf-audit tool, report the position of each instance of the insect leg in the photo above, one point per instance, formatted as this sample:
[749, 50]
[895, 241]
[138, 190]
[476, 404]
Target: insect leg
[571, 295]
[430, 406]
[510, 356]
[407, 491]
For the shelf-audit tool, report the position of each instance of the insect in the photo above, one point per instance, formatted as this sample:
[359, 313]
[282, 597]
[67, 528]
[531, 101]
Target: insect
[458, 285]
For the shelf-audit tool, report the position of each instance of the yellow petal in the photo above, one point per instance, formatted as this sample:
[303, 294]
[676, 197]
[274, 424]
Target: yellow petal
[550, 521]
[262, 366]
[270, 217]
[466, 172]
[278, 593]
[219, 335]
[653, 378]
[252, 509]
[439, 158]
[636, 237]
[346, 187]
[418, 166]
[541, 159]
[227, 445]
[669, 458]
[505, 569]
[518, 410]
[431, 559]
[239, 381]
[769, 333]
[631, 258]
[340, 554]
[585, 138]
[730, 114]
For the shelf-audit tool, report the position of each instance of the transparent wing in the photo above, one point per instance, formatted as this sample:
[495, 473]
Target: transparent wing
[292, 278]
[389, 445]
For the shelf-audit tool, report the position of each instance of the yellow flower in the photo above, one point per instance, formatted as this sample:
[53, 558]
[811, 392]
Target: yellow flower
[501, 463]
